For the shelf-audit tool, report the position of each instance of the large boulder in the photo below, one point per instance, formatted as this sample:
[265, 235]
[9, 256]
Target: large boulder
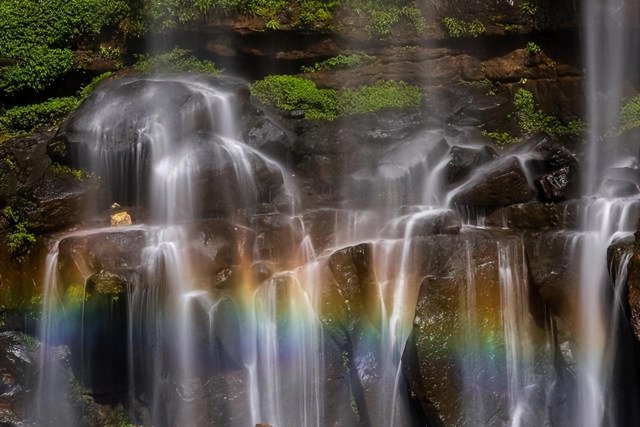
[23, 162]
[624, 258]
[553, 167]
[536, 216]
[501, 183]
[171, 137]
[455, 360]
[465, 159]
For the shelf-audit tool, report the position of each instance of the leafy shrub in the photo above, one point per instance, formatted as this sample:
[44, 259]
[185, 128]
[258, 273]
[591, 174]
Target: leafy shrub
[30, 117]
[630, 114]
[385, 94]
[176, 61]
[502, 139]
[91, 87]
[458, 28]
[533, 48]
[531, 119]
[382, 19]
[339, 62]
[77, 174]
[290, 93]
[19, 239]
[39, 36]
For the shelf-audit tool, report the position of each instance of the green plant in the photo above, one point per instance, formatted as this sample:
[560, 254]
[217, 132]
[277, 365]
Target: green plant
[339, 62]
[384, 94]
[39, 35]
[502, 139]
[20, 239]
[528, 9]
[176, 61]
[77, 174]
[630, 114]
[290, 93]
[93, 84]
[531, 119]
[457, 28]
[533, 48]
[27, 118]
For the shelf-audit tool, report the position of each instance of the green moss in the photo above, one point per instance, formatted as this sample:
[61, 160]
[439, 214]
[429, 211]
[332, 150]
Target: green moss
[385, 94]
[502, 139]
[339, 62]
[40, 35]
[630, 114]
[176, 61]
[20, 239]
[27, 118]
[77, 174]
[91, 87]
[532, 119]
[533, 48]
[290, 93]
[457, 28]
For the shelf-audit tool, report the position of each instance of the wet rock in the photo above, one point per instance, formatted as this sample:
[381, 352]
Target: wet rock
[424, 224]
[58, 201]
[465, 159]
[458, 331]
[627, 250]
[138, 118]
[349, 294]
[268, 136]
[499, 184]
[555, 185]
[23, 162]
[536, 216]
[278, 237]
[555, 275]
[619, 188]
[554, 168]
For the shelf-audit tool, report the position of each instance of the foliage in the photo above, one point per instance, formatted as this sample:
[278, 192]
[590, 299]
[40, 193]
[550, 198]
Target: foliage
[39, 35]
[630, 114]
[30, 117]
[458, 28]
[339, 62]
[290, 93]
[19, 239]
[91, 87]
[531, 119]
[502, 139]
[384, 94]
[176, 61]
[383, 17]
[533, 48]
[77, 174]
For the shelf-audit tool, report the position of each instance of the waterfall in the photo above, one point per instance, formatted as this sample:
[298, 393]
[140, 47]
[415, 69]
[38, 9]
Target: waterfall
[607, 43]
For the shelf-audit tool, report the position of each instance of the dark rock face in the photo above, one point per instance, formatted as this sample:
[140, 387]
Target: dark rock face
[24, 163]
[458, 328]
[129, 121]
[628, 251]
[464, 160]
[536, 216]
[555, 168]
[500, 184]
[555, 274]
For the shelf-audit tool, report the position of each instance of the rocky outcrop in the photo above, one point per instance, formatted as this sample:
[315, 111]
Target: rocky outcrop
[500, 184]
[624, 260]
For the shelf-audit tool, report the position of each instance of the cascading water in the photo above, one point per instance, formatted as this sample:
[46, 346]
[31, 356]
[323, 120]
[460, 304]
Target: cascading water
[608, 210]
[224, 329]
